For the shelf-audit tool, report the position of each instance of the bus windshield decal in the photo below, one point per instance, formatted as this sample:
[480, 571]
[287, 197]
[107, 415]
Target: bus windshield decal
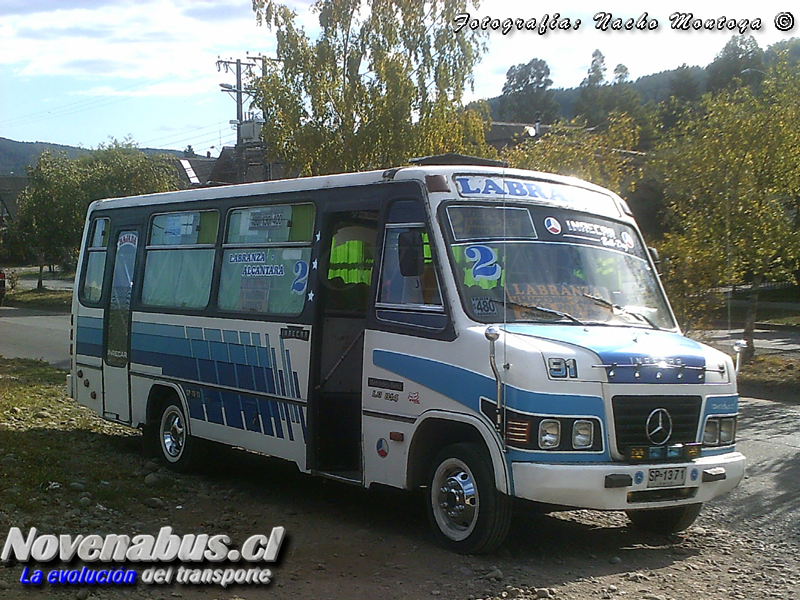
[480, 186]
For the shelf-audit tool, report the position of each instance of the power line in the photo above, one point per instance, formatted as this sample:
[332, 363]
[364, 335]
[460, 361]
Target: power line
[177, 138]
[78, 106]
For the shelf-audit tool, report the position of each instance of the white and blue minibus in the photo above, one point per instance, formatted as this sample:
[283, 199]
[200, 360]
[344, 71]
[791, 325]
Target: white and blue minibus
[479, 332]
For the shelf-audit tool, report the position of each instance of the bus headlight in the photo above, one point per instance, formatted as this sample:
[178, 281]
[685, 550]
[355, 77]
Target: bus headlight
[719, 431]
[582, 435]
[727, 430]
[549, 433]
[711, 433]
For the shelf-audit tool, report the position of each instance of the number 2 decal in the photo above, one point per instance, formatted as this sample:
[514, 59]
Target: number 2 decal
[485, 266]
[301, 277]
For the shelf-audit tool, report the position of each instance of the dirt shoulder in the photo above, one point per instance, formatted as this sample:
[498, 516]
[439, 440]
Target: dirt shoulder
[64, 471]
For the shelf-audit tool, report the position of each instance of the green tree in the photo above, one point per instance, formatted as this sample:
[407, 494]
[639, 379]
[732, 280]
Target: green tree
[50, 211]
[591, 102]
[684, 94]
[597, 99]
[732, 175]
[741, 61]
[683, 84]
[383, 80]
[119, 169]
[526, 95]
[53, 206]
[605, 156]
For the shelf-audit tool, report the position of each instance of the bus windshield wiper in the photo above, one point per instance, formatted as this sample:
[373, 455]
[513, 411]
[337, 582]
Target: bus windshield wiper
[547, 311]
[621, 309]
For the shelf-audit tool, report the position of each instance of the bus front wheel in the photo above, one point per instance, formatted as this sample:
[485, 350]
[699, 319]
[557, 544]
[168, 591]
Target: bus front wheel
[468, 513]
[178, 449]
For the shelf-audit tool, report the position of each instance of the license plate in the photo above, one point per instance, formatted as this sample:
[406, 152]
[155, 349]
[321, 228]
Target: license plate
[667, 477]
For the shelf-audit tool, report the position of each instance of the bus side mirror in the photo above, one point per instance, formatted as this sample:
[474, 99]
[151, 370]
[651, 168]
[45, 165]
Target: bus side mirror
[656, 258]
[410, 253]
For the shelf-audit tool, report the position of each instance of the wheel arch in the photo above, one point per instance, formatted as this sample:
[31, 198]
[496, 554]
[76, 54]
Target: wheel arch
[160, 393]
[439, 429]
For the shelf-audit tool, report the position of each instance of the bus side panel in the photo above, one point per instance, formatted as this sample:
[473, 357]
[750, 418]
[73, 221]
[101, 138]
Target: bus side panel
[245, 382]
[88, 353]
[395, 402]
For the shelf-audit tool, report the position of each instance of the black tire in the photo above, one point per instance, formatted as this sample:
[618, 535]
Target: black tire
[467, 512]
[664, 520]
[176, 447]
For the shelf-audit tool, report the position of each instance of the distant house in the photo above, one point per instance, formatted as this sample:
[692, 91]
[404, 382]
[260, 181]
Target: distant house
[246, 166]
[194, 170]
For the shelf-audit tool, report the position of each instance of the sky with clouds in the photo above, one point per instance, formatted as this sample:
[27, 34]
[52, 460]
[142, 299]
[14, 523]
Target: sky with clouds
[79, 72]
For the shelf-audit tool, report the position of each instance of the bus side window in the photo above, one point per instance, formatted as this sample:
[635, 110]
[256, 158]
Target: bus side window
[179, 259]
[352, 256]
[408, 276]
[266, 259]
[92, 285]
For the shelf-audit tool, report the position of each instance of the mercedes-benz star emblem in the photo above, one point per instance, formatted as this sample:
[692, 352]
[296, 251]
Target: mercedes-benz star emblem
[659, 427]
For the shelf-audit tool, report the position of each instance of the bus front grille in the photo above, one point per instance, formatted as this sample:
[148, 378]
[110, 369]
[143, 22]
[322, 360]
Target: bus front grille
[632, 413]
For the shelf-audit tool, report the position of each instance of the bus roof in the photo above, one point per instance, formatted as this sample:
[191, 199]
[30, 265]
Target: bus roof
[450, 174]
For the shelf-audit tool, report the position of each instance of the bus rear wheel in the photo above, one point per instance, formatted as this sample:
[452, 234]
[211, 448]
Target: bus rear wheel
[468, 513]
[664, 520]
[176, 446]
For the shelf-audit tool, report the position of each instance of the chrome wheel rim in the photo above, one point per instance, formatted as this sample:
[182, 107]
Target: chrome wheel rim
[173, 433]
[454, 499]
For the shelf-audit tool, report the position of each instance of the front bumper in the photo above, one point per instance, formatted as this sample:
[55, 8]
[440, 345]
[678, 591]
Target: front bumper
[593, 485]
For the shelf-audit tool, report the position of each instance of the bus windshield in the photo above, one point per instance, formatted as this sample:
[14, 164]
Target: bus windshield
[547, 264]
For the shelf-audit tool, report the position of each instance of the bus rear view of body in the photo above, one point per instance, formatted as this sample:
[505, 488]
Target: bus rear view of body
[479, 332]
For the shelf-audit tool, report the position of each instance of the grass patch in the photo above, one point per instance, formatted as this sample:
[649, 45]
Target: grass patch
[785, 321]
[43, 299]
[771, 374]
[60, 464]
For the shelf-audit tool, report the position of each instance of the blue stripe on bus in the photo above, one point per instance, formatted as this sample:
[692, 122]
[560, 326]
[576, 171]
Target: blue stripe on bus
[90, 322]
[302, 421]
[207, 370]
[214, 407]
[293, 390]
[195, 406]
[87, 349]
[466, 387]
[159, 329]
[194, 333]
[251, 355]
[234, 359]
[227, 374]
[233, 410]
[164, 345]
[244, 377]
[296, 384]
[219, 352]
[236, 352]
[289, 428]
[212, 335]
[181, 367]
[276, 417]
[200, 349]
[250, 411]
[266, 417]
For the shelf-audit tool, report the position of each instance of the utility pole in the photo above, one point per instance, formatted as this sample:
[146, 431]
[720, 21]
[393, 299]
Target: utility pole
[247, 138]
[238, 93]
